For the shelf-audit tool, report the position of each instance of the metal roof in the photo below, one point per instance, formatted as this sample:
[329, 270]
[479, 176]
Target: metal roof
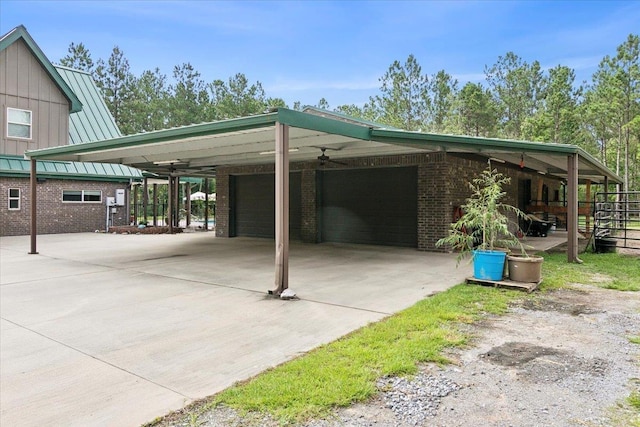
[197, 150]
[17, 166]
[20, 33]
[94, 122]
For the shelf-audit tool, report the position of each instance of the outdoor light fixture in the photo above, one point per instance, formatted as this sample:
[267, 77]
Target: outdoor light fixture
[493, 159]
[166, 162]
[291, 150]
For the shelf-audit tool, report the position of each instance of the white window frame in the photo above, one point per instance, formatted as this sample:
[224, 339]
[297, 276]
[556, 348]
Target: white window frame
[83, 196]
[14, 198]
[30, 124]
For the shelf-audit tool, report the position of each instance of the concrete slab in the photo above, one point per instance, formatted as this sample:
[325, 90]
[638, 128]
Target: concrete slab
[118, 329]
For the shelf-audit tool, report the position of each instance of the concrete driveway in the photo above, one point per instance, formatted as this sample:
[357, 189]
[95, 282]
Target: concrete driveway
[119, 329]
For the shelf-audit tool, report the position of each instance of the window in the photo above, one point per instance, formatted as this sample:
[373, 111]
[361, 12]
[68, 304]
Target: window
[18, 123]
[14, 199]
[82, 196]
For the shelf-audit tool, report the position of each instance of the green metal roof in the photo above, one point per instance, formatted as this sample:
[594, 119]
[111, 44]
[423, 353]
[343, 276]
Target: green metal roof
[16, 166]
[20, 33]
[94, 122]
[340, 116]
[197, 150]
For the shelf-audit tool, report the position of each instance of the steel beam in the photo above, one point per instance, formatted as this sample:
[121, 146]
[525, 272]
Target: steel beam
[34, 207]
[572, 208]
[282, 209]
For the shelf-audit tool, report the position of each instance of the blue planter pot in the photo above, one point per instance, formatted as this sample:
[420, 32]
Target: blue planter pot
[488, 265]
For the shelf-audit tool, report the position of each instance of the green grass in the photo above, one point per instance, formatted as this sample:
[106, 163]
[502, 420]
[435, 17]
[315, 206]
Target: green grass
[345, 371]
[634, 400]
[611, 271]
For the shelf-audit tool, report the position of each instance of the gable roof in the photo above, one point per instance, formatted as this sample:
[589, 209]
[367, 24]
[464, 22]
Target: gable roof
[20, 33]
[197, 150]
[94, 122]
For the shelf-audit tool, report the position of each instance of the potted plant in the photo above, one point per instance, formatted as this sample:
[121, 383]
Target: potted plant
[483, 229]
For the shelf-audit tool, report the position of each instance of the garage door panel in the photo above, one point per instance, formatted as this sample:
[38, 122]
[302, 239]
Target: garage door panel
[370, 206]
[254, 205]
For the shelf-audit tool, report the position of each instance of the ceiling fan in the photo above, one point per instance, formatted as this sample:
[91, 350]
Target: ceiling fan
[324, 159]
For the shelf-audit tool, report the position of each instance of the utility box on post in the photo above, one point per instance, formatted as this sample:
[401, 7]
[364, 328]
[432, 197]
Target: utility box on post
[120, 197]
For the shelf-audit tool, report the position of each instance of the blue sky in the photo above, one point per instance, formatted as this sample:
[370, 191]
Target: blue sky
[305, 50]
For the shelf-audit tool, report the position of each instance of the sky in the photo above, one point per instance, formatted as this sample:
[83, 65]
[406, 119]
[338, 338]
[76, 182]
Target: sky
[339, 50]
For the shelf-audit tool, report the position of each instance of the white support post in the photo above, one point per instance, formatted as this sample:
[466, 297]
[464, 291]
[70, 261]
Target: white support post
[282, 209]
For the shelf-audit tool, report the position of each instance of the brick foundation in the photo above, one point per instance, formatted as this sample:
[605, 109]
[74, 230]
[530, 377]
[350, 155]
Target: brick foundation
[54, 216]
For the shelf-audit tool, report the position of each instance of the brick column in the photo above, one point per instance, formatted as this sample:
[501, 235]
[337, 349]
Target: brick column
[309, 219]
[222, 203]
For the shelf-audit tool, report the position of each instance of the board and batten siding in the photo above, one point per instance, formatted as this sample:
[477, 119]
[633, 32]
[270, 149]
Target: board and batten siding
[26, 85]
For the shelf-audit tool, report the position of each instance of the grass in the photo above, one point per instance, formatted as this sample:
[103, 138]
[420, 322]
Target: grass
[345, 371]
[611, 271]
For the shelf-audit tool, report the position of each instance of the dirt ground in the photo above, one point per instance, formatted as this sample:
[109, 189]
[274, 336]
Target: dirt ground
[561, 359]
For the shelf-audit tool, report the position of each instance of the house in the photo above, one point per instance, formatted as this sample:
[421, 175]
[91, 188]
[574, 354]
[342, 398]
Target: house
[42, 106]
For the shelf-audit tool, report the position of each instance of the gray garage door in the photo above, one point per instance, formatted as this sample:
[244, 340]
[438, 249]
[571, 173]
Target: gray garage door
[370, 206]
[253, 211]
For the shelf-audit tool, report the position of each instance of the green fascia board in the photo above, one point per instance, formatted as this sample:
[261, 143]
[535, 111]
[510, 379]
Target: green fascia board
[595, 163]
[21, 32]
[322, 124]
[481, 144]
[140, 139]
[282, 115]
[418, 140]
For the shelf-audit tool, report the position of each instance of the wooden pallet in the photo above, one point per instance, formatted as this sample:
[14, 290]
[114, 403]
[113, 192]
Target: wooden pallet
[523, 286]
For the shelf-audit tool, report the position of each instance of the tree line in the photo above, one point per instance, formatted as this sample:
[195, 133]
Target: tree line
[520, 100]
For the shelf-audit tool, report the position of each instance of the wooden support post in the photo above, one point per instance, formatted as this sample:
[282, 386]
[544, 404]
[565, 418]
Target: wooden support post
[187, 202]
[135, 204]
[176, 204]
[34, 207]
[206, 204]
[170, 191]
[282, 208]
[539, 194]
[572, 208]
[145, 200]
[588, 206]
[155, 205]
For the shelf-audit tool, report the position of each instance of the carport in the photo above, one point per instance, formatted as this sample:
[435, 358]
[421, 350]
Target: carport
[285, 136]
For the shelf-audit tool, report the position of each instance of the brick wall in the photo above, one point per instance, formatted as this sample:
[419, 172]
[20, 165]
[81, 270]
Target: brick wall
[442, 185]
[54, 216]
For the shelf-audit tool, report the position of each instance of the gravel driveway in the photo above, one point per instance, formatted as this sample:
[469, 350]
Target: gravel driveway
[561, 359]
